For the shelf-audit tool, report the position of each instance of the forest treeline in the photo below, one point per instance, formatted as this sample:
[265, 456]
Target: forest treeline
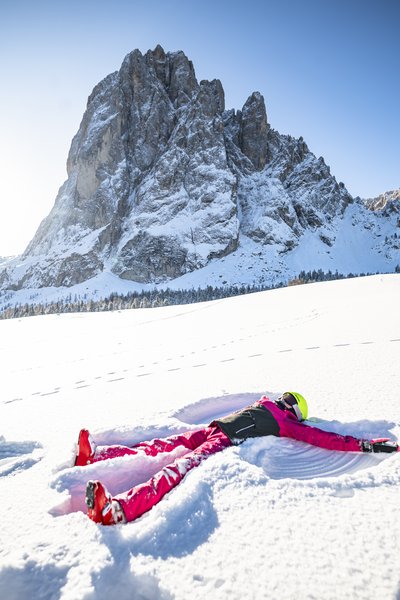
[155, 298]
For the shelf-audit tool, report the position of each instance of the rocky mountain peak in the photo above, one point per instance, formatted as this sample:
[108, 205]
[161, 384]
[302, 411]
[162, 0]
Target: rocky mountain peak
[211, 97]
[254, 131]
[162, 181]
[176, 73]
[388, 200]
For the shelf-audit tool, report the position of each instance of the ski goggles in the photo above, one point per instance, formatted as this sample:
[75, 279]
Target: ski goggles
[291, 404]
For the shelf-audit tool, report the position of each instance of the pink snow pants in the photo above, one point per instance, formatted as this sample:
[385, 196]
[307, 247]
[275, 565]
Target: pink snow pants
[141, 498]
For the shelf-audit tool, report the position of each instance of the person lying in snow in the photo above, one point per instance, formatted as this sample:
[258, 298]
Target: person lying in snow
[281, 418]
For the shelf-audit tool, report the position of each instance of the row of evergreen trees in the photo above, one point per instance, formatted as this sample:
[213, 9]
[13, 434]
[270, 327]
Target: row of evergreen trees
[144, 299]
[320, 275]
[155, 298]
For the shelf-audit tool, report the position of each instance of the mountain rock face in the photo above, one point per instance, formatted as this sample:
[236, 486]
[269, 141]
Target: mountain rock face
[162, 180]
[386, 202]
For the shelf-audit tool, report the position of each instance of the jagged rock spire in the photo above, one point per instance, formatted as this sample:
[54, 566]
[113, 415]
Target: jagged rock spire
[162, 180]
[254, 130]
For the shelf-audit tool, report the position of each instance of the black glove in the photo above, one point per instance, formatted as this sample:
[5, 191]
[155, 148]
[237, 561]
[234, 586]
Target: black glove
[379, 445]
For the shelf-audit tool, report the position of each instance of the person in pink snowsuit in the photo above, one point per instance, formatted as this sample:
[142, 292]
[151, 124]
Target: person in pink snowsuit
[281, 418]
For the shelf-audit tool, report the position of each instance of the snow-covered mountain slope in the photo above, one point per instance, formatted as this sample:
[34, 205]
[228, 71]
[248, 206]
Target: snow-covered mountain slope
[237, 525]
[163, 181]
[361, 241]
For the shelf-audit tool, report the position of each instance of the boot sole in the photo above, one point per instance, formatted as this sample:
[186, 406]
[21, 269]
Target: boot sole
[90, 489]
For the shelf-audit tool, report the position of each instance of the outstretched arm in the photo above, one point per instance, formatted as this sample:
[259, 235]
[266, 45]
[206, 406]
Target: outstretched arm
[335, 441]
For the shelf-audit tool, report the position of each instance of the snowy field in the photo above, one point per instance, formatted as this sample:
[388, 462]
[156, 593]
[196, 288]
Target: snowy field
[272, 518]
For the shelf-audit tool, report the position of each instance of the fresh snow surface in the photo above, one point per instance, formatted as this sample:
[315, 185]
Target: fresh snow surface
[272, 518]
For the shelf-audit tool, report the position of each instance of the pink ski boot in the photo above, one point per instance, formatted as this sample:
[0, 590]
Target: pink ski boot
[85, 450]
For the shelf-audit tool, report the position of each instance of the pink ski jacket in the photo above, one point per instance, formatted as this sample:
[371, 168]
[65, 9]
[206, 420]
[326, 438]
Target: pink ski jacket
[290, 427]
[267, 418]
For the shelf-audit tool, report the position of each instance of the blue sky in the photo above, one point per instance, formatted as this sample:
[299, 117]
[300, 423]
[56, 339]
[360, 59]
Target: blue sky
[328, 70]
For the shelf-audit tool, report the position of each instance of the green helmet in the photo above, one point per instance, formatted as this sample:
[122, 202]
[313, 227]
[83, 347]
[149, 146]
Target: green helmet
[301, 404]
